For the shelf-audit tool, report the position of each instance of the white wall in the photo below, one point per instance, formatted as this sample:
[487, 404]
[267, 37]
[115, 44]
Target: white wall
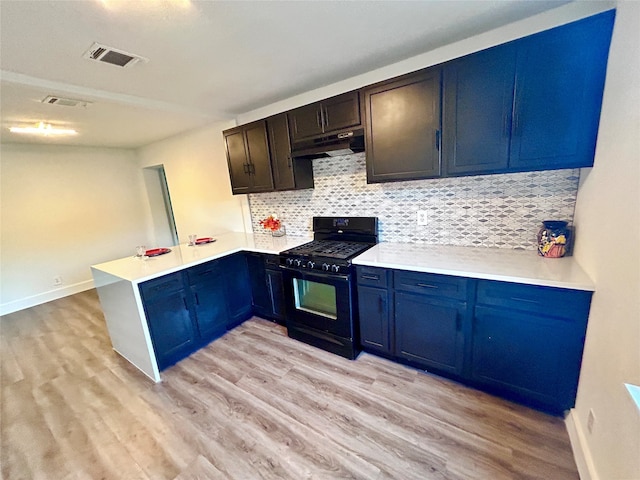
[198, 178]
[607, 221]
[62, 210]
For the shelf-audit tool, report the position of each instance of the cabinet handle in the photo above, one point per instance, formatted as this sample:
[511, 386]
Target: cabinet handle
[370, 277]
[197, 299]
[382, 304]
[289, 161]
[184, 300]
[252, 169]
[325, 117]
[426, 285]
[505, 125]
[516, 123]
[437, 135]
[319, 118]
[245, 166]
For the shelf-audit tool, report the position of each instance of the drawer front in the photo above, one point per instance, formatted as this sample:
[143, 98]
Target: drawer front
[161, 286]
[431, 284]
[557, 302]
[203, 272]
[373, 277]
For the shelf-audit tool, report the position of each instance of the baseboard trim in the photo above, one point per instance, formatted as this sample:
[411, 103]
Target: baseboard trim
[581, 453]
[45, 297]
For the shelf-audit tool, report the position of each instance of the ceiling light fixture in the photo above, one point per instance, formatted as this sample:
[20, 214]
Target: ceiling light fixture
[44, 129]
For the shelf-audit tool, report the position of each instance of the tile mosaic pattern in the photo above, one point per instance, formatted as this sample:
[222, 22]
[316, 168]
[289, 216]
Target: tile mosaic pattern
[503, 211]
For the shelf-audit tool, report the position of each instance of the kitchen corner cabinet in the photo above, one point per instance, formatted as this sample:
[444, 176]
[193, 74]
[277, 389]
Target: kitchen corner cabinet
[530, 104]
[267, 286]
[248, 158]
[325, 117]
[402, 134]
[288, 173]
[523, 342]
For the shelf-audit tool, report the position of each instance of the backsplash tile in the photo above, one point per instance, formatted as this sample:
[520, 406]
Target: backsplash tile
[503, 211]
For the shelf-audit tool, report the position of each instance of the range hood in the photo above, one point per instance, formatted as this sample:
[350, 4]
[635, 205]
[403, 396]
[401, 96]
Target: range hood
[343, 143]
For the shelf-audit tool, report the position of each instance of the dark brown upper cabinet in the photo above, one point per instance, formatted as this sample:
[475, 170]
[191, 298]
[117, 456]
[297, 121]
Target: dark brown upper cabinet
[330, 115]
[288, 173]
[402, 133]
[248, 158]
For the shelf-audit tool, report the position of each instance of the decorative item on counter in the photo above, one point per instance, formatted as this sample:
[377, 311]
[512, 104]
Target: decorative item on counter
[553, 238]
[274, 224]
[192, 239]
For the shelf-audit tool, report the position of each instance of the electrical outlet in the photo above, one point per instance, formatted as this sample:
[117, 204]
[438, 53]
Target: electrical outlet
[422, 217]
[591, 419]
[57, 280]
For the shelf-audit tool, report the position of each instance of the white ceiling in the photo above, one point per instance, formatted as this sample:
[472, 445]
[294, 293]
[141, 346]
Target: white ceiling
[208, 60]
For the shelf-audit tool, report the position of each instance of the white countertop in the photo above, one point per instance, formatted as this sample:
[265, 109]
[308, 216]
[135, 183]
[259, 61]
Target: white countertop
[182, 256]
[519, 266]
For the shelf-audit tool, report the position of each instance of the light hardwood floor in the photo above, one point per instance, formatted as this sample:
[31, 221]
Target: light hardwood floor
[253, 404]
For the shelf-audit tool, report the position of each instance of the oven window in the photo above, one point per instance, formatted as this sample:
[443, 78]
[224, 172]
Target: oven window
[314, 297]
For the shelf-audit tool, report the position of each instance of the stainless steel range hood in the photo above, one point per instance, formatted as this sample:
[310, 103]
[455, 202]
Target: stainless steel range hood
[342, 143]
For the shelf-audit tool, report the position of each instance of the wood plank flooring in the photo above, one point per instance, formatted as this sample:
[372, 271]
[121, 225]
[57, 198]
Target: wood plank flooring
[254, 404]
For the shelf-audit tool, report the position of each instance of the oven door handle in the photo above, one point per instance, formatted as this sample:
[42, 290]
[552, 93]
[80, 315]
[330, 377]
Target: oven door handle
[315, 273]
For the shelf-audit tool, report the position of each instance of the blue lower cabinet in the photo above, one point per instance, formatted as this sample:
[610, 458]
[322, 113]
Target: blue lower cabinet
[375, 329]
[522, 342]
[173, 332]
[188, 309]
[237, 288]
[428, 331]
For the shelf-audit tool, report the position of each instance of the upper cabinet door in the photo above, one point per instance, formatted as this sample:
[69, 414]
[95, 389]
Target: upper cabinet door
[327, 116]
[280, 145]
[558, 95]
[478, 99]
[306, 122]
[341, 112]
[403, 127]
[238, 160]
[260, 162]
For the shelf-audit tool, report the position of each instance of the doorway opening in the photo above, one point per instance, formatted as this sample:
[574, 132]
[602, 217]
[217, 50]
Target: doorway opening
[164, 224]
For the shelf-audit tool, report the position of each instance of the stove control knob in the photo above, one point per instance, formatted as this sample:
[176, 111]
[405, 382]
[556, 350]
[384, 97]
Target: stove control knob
[335, 268]
[325, 267]
[298, 262]
[290, 261]
[311, 264]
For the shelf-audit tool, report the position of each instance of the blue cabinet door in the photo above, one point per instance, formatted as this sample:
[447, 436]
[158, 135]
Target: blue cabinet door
[428, 331]
[478, 100]
[559, 83]
[537, 357]
[173, 332]
[210, 308]
[237, 288]
[373, 306]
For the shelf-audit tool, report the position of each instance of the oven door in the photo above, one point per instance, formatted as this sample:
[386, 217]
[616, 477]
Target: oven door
[319, 300]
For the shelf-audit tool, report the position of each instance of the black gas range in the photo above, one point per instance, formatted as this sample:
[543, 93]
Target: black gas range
[320, 296]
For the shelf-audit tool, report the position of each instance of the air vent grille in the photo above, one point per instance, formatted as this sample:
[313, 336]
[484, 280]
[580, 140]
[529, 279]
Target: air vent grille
[65, 102]
[112, 56]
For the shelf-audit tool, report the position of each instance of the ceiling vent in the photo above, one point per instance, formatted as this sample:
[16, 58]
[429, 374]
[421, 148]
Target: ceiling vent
[65, 102]
[104, 54]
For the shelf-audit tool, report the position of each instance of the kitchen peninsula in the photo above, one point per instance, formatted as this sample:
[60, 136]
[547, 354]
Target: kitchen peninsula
[120, 285]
